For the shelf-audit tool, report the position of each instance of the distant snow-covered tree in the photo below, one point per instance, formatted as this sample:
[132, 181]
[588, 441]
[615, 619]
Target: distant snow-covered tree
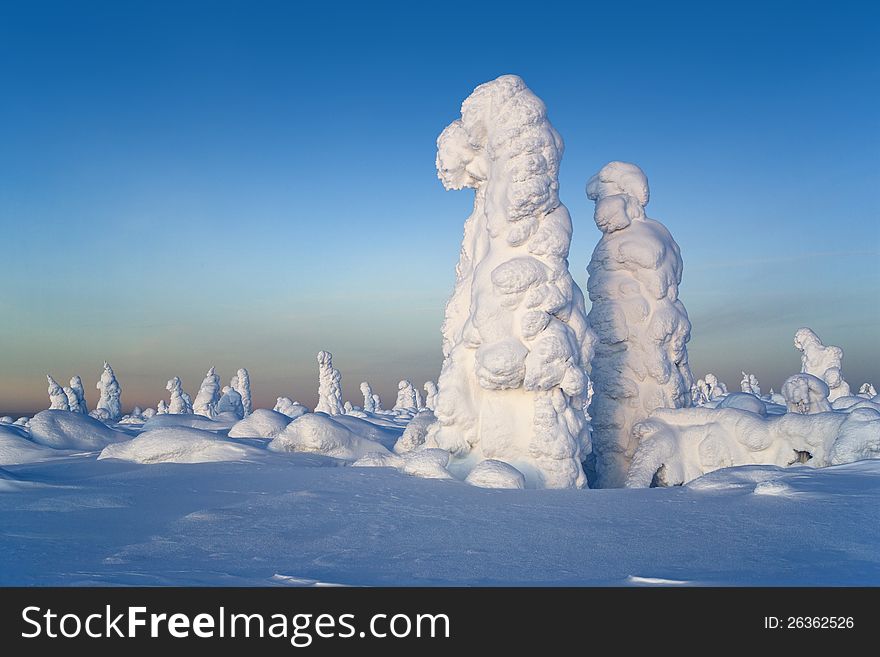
[111, 392]
[162, 408]
[242, 384]
[329, 386]
[430, 395]
[230, 402]
[369, 402]
[208, 395]
[58, 400]
[180, 401]
[406, 397]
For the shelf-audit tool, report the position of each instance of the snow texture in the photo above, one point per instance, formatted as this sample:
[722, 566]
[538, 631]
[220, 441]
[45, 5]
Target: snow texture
[241, 383]
[58, 399]
[679, 445]
[319, 434]
[208, 395]
[262, 423]
[496, 474]
[290, 408]
[177, 445]
[329, 386]
[111, 392]
[66, 430]
[515, 336]
[180, 403]
[641, 361]
[805, 394]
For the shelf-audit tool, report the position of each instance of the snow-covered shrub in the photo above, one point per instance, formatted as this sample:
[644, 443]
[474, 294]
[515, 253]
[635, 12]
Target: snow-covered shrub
[641, 360]
[515, 335]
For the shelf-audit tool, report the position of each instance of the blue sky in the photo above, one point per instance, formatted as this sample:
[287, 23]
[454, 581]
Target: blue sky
[244, 183]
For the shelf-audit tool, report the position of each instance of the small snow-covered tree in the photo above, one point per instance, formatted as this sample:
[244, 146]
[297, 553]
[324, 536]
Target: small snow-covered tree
[208, 395]
[329, 386]
[641, 361]
[230, 402]
[180, 402]
[241, 382]
[377, 403]
[867, 390]
[750, 384]
[76, 396]
[837, 387]
[430, 395]
[369, 402]
[111, 393]
[57, 397]
[805, 394]
[406, 397]
[162, 408]
[148, 413]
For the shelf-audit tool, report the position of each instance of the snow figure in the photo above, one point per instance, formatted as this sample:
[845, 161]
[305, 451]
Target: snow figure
[180, 403]
[837, 387]
[162, 408]
[430, 395]
[230, 402]
[867, 390]
[76, 396]
[110, 393]
[515, 336]
[641, 361]
[241, 382]
[806, 394]
[406, 397]
[329, 390]
[750, 384]
[208, 395]
[816, 358]
[57, 397]
[369, 402]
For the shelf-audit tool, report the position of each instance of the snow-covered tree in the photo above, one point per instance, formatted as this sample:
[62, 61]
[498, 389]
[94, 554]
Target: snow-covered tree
[406, 397]
[111, 392]
[180, 401]
[816, 357]
[57, 397]
[76, 396]
[515, 335]
[241, 382]
[641, 361]
[162, 408]
[837, 387]
[805, 394]
[208, 395]
[290, 408]
[369, 402]
[149, 412]
[868, 391]
[230, 402]
[377, 403]
[430, 395]
[329, 386]
[750, 384]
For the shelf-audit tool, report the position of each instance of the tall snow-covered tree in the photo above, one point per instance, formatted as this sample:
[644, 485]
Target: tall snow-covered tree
[110, 401]
[515, 337]
[329, 386]
[242, 384]
[369, 402]
[641, 361]
[208, 395]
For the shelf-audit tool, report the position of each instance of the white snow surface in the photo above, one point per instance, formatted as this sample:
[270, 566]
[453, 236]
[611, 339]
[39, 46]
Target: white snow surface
[68, 430]
[178, 445]
[515, 336]
[641, 360]
[261, 423]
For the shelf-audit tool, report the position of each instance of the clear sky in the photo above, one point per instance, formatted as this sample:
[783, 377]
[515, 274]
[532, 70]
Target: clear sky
[244, 183]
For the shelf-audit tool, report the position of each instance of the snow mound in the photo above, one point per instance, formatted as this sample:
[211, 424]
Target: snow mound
[261, 423]
[773, 487]
[679, 445]
[744, 401]
[428, 464]
[379, 460]
[496, 474]
[16, 449]
[318, 434]
[415, 433]
[178, 445]
[384, 435]
[221, 422]
[68, 430]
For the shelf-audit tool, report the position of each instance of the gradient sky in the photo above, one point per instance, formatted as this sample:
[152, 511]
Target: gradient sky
[244, 183]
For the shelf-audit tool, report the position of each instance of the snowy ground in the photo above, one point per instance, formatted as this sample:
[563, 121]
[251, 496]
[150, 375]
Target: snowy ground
[297, 519]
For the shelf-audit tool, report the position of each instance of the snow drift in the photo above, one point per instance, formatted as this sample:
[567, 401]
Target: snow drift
[261, 423]
[515, 335]
[68, 430]
[319, 434]
[178, 445]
